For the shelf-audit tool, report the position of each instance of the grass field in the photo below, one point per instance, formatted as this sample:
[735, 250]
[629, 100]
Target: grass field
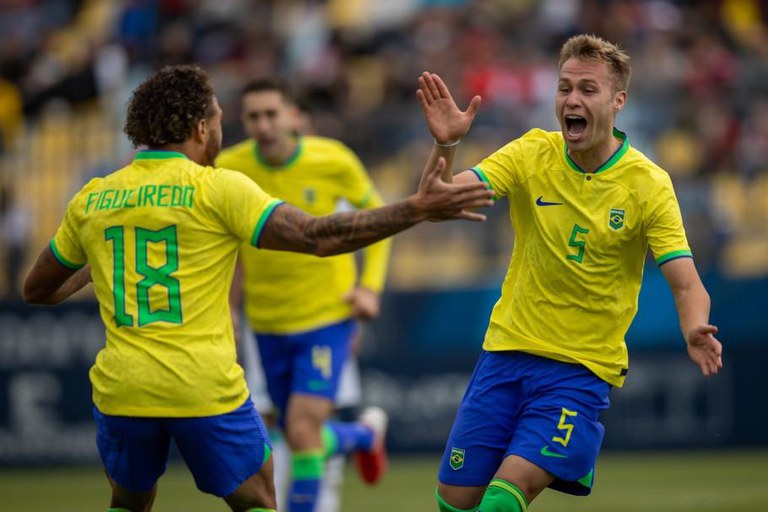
[680, 482]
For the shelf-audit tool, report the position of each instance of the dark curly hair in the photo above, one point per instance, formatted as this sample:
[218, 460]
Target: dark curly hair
[167, 106]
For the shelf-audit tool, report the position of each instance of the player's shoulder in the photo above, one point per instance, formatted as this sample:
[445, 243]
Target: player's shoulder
[92, 185]
[541, 136]
[235, 153]
[534, 141]
[331, 148]
[643, 168]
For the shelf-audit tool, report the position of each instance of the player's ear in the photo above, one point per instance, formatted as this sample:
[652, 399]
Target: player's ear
[619, 100]
[200, 133]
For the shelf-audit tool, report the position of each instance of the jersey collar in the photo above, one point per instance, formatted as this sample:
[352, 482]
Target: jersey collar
[291, 160]
[608, 163]
[158, 154]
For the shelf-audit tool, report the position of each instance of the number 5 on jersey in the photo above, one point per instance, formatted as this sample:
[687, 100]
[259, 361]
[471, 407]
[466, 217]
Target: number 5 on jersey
[579, 244]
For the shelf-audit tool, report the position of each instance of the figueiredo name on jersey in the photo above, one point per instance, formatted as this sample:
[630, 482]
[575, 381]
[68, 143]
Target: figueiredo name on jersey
[162, 196]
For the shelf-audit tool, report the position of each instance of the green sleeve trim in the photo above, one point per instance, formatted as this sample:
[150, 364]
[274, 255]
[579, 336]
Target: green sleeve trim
[330, 441]
[511, 489]
[483, 177]
[307, 465]
[61, 259]
[263, 220]
[267, 453]
[673, 256]
[366, 199]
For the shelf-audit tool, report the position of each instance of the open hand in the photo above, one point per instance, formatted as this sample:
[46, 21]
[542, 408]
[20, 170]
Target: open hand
[445, 121]
[437, 200]
[364, 303]
[704, 349]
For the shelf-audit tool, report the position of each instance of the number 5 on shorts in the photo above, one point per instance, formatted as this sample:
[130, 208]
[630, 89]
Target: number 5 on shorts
[564, 426]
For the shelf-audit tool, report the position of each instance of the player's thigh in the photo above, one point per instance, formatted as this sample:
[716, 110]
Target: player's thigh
[559, 430]
[318, 359]
[134, 450]
[258, 490]
[305, 417]
[277, 364]
[484, 424]
[223, 451]
[135, 501]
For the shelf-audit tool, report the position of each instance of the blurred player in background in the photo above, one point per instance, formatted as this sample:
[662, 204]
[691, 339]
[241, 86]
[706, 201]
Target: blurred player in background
[585, 207]
[303, 309]
[348, 399]
[159, 238]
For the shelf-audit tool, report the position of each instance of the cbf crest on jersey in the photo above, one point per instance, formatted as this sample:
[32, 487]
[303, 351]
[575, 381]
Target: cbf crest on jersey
[616, 218]
[310, 195]
[457, 458]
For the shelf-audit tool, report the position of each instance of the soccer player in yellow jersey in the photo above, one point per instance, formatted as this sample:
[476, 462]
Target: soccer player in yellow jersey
[301, 308]
[159, 238]
[585, 207]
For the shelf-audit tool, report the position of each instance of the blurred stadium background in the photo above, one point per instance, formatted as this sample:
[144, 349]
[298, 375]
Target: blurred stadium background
[698, 106]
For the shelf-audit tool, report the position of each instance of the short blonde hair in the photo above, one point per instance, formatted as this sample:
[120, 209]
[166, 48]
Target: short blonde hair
[587, 46]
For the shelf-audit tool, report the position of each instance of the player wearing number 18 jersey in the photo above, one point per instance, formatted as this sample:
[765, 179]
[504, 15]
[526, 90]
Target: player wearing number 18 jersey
[161, 226]
[585, 207]
[159, 239]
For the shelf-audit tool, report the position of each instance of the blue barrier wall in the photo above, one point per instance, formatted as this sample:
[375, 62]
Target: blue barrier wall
[416, 362]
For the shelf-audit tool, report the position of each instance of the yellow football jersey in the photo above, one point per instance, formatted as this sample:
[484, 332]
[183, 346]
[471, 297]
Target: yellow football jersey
[162, 236]
[288, 292]
[581, 239]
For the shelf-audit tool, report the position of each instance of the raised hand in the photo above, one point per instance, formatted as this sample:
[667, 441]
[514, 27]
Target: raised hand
[438, 200]
[704, 349]
[446, 122]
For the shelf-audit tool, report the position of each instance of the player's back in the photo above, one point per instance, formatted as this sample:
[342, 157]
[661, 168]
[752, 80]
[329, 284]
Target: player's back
[161, 236]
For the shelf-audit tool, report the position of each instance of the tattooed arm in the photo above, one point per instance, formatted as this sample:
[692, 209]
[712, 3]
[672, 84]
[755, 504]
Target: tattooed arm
[290, 229]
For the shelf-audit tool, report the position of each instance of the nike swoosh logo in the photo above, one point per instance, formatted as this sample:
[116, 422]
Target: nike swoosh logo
[539, 202]
[545, 452]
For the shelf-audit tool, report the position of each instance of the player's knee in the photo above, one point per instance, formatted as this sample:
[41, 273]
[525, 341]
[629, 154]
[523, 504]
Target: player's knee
[444, 506]
[502, 496]
[303, 434]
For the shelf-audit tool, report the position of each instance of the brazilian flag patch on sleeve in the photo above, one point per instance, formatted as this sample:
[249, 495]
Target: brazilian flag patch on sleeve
[457, 458]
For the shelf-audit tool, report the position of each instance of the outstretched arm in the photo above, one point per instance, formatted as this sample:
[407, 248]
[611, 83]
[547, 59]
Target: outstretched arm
[446, 122]
[692, 302]
[49, 282]
[290, 229]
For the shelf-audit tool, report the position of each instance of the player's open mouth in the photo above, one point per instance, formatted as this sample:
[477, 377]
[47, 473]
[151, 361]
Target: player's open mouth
[575, 125]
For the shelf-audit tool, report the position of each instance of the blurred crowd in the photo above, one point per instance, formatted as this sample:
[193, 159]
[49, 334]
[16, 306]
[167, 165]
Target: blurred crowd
[698, 100]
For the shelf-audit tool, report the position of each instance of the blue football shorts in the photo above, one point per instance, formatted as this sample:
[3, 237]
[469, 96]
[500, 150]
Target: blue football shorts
[221, 451]
[309, 362]
[542, 410]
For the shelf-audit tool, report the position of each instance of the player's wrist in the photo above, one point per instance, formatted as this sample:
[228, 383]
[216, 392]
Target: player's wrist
[447, 144]
[417, 210]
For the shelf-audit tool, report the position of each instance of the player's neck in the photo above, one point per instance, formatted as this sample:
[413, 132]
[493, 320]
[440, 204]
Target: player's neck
[282, 154]
[592, 159]
[194, 153]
